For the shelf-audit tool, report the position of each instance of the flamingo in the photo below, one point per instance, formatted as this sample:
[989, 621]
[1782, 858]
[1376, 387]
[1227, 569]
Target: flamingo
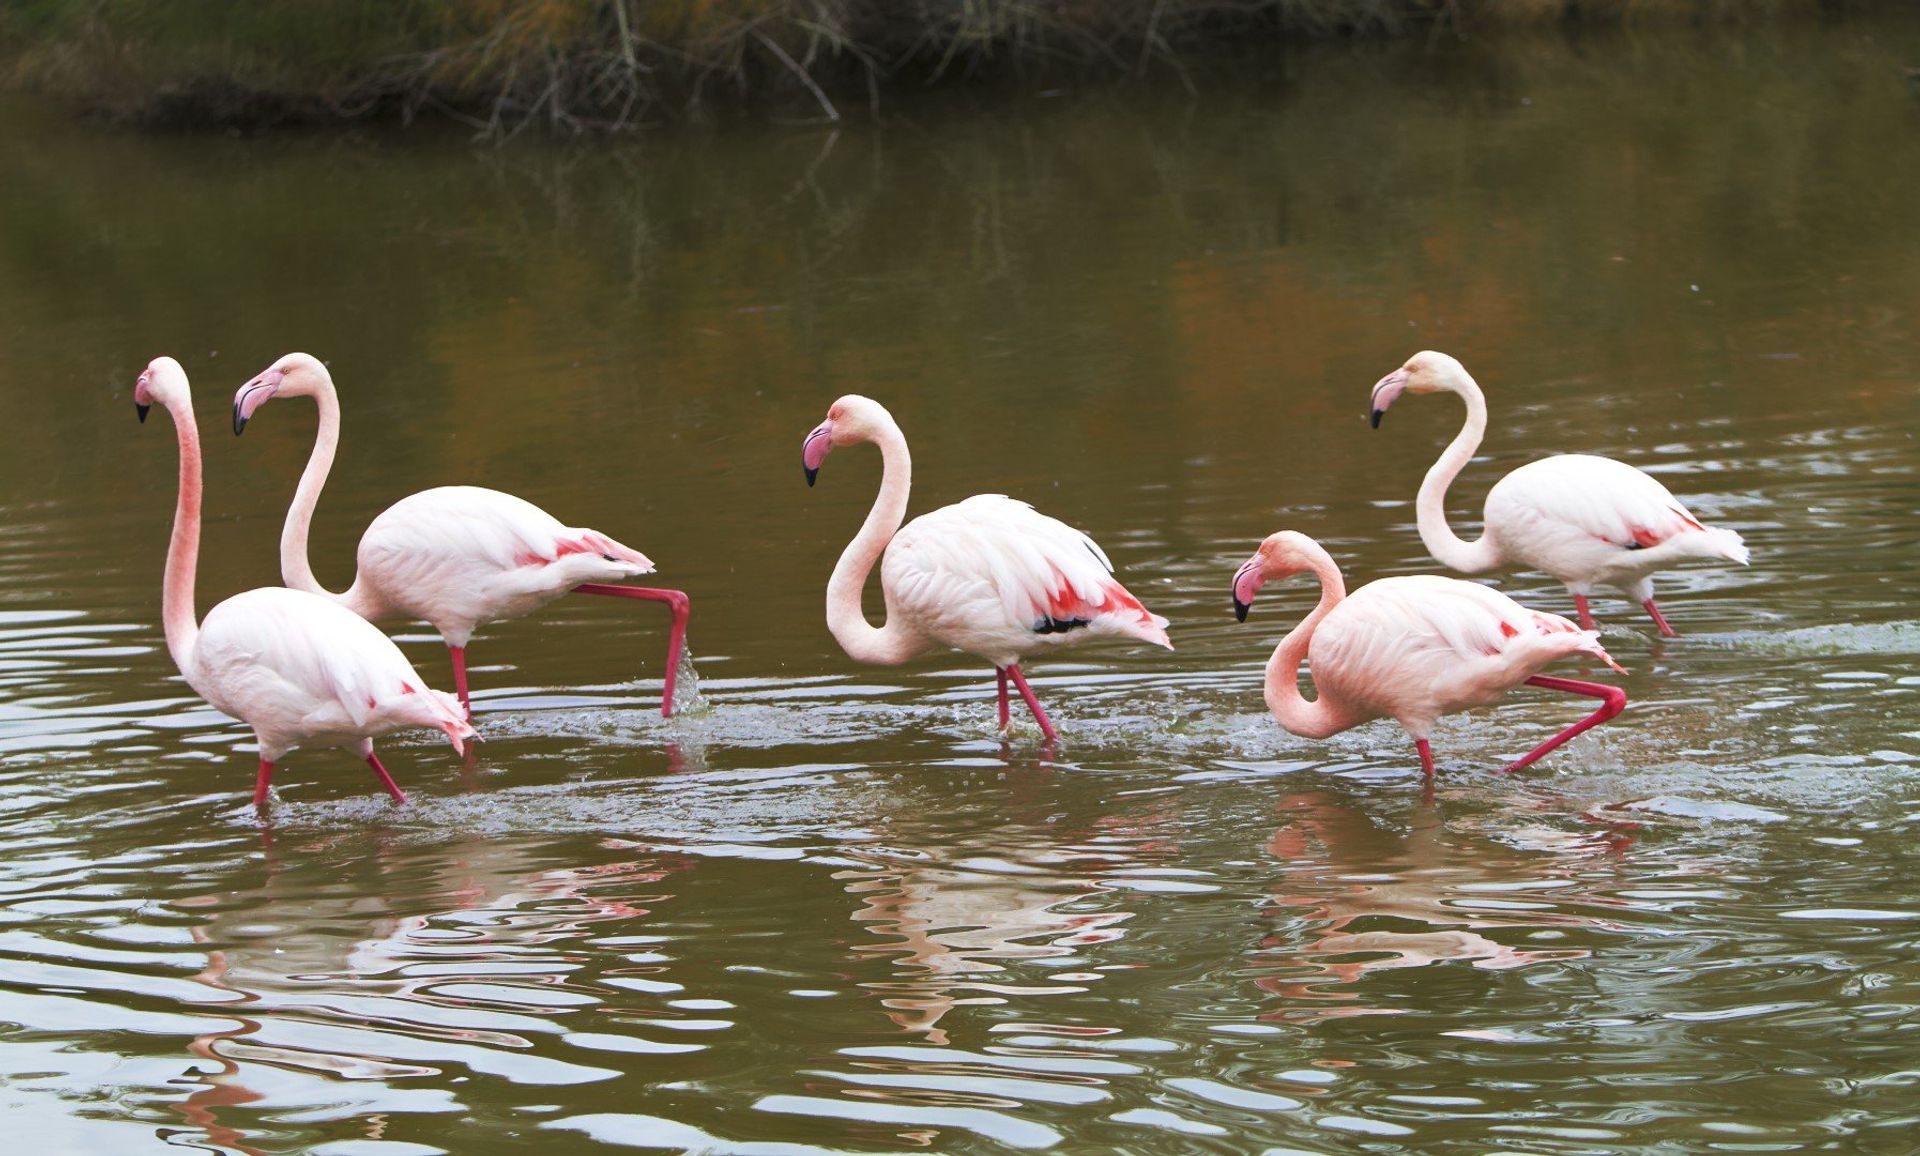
[1588, 521]
[298, 669]
[1411, 649]
[455, 556]
[988, 576]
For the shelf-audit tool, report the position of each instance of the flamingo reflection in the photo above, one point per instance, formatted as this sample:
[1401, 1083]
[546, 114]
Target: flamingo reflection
[492, 911]
[1359, 898]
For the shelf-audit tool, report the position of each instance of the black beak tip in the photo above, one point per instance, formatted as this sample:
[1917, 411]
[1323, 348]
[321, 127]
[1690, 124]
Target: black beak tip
[812, 473]
[1240, 609]
[239, 422]
[141, 410]
[1377, 415]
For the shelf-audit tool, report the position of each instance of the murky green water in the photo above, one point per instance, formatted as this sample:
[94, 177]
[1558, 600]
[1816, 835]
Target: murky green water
[831, 908]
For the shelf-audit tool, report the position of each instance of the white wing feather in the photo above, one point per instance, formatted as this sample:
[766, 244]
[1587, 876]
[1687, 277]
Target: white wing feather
[988, 575]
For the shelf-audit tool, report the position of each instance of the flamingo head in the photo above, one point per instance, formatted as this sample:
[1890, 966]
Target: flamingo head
[1282, 555]
[851, 419]
[1425, 372]
[162, 382]
[295, 375]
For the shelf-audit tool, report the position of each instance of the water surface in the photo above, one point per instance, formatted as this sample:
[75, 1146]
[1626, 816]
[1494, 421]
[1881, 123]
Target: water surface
[829, 909]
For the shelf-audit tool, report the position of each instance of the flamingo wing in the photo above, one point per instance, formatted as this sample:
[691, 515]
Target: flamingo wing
[470, 527]
[296, 660]
[993, 564]
[458, 556]
[1428, 639]
[1595, 497]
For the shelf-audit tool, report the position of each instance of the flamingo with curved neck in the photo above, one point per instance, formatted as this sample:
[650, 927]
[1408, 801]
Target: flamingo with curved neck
[1587, 520]
[298, 669]
[989, 576]
[456, 556]
[1411, 649]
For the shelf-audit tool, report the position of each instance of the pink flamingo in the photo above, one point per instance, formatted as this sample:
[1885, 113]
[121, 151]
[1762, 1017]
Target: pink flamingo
[299, 670]
[455, 556]
[1410, 649]
[1588, 521]
[989, 576]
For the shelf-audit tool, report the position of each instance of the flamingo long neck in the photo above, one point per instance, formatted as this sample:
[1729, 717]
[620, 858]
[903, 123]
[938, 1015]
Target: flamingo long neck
[1449, 548]
[183, 551]
[893, 642]
[1321, 717]
[295, 570]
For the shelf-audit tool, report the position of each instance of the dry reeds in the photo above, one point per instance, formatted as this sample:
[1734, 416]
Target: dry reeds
[591, 65]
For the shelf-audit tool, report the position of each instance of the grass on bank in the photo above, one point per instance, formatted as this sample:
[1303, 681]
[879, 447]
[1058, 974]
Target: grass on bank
[578, 65]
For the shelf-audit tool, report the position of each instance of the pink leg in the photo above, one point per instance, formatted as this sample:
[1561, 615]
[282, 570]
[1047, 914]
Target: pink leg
[386, 780]
[678, 603]
[1660, 620]
[1006, 715]
[460, 678]
[262, 784]
[1033, 704]
[1613, 701]
[1426, 757]
[1586, 616]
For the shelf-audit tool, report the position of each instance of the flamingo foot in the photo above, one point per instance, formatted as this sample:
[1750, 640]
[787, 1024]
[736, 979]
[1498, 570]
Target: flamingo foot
[1613, 701]
[459, 654]
[262, 784]
[386, 780]
[678, 604]
[1033, 704]
[1586, 615]
[1006, 714]
[1660, 620]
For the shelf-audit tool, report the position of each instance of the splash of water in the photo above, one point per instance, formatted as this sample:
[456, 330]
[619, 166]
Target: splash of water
[686, 684]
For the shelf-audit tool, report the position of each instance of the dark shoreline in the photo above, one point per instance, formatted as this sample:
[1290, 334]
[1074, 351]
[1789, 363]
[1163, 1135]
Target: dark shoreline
[601, 66]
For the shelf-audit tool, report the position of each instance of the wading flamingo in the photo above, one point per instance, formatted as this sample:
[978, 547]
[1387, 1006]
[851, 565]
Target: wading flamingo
[299, 670]
[455, 556]
[1588, 521]
[1410, 649]
[988, 576]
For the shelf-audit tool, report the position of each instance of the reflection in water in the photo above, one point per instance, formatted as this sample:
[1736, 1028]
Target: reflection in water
[962, 926]
[1357, 898]
[468, 985]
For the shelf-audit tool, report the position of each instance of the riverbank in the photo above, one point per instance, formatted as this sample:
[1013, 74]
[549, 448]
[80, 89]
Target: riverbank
[604, 65]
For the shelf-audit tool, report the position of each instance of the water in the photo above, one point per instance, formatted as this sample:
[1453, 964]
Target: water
[830, 907]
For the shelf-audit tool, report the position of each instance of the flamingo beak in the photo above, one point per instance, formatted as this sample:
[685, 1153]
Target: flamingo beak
[1385, 392]
[141, 404]
[1246, 583]
[253, 395]
[815, 449]
[140, 411]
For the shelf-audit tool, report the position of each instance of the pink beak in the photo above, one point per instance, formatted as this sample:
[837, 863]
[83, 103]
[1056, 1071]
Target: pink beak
[815, 449]
[1246, 583]
[1385, 392]
[252, 396]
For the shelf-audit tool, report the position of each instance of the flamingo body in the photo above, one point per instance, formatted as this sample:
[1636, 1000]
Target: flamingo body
[454, 556]
[993, 577]
[1417, 647]
[1586, 520]
[1592, 521]
[298, 669]
[988, 576]
[1411, 649]
[305, 672]
[462, 556]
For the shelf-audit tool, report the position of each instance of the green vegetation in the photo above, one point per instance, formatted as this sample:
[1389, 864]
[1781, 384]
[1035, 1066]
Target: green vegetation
[579, 65]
